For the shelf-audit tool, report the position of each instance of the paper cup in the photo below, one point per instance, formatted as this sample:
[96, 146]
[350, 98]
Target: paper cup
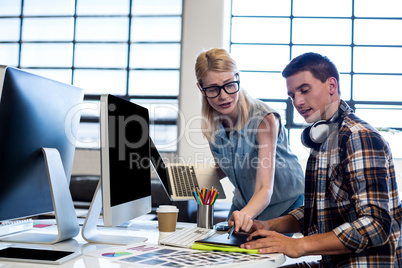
[167, 218]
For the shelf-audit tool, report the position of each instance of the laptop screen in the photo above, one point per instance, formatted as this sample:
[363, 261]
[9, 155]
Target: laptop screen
[159, 167]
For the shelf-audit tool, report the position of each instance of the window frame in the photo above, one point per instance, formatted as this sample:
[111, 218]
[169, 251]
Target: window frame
[127, 69]
[289, 120]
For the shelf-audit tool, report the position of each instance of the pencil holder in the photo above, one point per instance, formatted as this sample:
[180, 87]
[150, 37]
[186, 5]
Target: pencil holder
[205, 216]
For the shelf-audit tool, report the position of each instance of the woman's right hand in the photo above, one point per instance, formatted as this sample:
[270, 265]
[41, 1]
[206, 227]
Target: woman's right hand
[241, 220]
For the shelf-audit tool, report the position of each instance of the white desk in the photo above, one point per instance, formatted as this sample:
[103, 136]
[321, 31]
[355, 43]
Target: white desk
[136, 228]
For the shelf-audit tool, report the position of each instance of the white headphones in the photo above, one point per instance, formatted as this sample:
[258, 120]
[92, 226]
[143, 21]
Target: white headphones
[314, 135]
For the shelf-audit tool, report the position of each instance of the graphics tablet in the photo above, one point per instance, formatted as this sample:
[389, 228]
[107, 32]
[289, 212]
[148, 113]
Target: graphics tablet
[234, 240]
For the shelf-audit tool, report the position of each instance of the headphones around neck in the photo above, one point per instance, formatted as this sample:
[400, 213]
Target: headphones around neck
[314, 135]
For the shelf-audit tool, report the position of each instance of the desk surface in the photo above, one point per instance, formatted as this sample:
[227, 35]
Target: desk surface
[136, 227]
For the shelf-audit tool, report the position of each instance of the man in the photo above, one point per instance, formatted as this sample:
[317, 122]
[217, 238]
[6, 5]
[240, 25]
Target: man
[352, 212]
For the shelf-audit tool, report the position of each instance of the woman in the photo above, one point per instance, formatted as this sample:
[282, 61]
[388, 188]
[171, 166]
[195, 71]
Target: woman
[249, 144]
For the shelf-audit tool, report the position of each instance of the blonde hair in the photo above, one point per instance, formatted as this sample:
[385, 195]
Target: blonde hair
[219, 60]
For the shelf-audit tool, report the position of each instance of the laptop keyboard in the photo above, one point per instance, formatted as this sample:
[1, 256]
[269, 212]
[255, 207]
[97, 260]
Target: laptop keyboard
[184, 180]
[185, 238]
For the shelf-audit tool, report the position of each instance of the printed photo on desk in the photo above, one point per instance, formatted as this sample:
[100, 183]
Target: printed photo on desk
[145, 254]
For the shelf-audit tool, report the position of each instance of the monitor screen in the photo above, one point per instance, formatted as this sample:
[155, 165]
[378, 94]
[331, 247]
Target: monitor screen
[125, 154]
[35, 112]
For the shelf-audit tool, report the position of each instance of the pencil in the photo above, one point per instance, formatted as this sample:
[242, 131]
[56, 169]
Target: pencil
[231, 231]
[199, 196]
[207, 199]
[215, 197]
[196, 198]
[211, 196]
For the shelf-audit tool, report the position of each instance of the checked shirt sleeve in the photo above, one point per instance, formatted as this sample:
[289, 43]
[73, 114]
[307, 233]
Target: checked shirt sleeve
[298, 213]
[366, 161]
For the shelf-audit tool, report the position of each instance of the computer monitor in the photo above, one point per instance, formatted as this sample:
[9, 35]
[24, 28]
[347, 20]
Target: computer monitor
[39, 120]
[124, 190]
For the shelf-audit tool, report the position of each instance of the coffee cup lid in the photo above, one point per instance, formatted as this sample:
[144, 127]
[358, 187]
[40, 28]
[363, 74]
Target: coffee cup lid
[167, 208]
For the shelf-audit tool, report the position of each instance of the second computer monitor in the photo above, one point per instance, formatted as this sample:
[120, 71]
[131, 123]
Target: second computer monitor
[124, 191]
[125, 154]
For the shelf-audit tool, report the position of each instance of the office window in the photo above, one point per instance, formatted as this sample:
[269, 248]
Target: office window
[360, 36]
[128, 48]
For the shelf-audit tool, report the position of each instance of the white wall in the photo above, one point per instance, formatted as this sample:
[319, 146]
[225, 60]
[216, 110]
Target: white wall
[204, 27]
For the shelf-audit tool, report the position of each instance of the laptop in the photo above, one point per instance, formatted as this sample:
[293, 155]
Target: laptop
[179, 180]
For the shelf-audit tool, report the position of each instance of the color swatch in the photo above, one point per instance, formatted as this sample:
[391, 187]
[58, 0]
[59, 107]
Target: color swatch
[116, 254]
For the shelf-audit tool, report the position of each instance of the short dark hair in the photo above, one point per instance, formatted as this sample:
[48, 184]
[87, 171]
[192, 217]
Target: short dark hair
[319, 66]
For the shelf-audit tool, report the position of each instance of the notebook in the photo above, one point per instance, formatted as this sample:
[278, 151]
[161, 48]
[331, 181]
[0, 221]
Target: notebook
[179, 180]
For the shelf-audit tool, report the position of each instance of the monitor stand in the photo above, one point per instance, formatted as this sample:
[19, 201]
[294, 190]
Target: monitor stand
[66, 219]
[90, 232]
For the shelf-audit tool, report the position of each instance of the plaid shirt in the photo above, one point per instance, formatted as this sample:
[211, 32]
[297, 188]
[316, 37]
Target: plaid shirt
[351, 190]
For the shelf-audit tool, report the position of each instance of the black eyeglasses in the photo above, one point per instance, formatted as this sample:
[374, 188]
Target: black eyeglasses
[229, 88]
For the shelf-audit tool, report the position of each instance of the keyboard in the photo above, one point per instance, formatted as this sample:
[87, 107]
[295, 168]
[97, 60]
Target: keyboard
[15, 226]
[185, 180]
[185, 238]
